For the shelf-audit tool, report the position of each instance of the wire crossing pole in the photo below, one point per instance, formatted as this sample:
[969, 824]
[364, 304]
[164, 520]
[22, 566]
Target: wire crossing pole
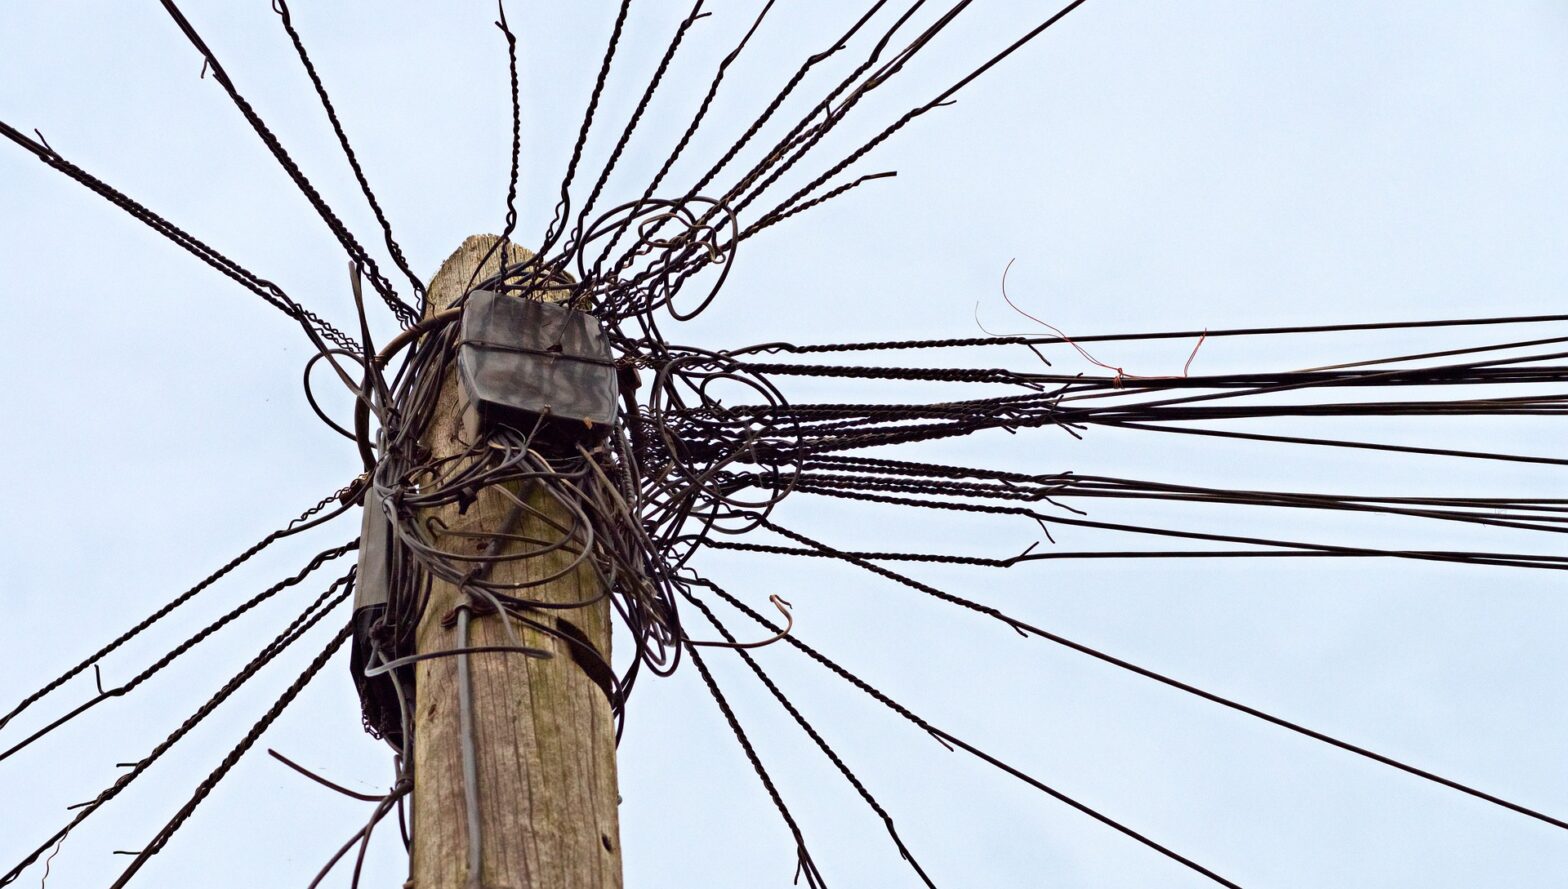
[539, 738]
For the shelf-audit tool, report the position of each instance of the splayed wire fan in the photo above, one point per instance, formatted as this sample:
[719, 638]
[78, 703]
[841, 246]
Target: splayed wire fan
[750, 518]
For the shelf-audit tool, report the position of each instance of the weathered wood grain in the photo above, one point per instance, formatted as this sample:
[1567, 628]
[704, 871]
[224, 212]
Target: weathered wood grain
[545, 739]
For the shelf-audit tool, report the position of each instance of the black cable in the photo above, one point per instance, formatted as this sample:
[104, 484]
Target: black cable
[203, 789]
[356, 252]
[952, 741]
[563, 206]
[1022, 340]
[282, 9]
[273, 295]
[811, 731]
[302, 523]
[173, 654]
[803, 857]
[308, 618]
[1028, 629]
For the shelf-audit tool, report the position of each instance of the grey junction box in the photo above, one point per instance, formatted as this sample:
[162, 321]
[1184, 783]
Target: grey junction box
[521, 359]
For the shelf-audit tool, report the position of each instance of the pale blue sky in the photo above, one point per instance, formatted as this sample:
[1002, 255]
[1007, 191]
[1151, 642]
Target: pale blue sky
[1150, 165]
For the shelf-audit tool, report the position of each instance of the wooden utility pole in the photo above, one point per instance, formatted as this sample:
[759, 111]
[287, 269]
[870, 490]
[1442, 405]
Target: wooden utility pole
[544, 741]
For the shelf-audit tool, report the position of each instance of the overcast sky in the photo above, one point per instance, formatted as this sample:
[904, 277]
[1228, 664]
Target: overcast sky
[1150, 165]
